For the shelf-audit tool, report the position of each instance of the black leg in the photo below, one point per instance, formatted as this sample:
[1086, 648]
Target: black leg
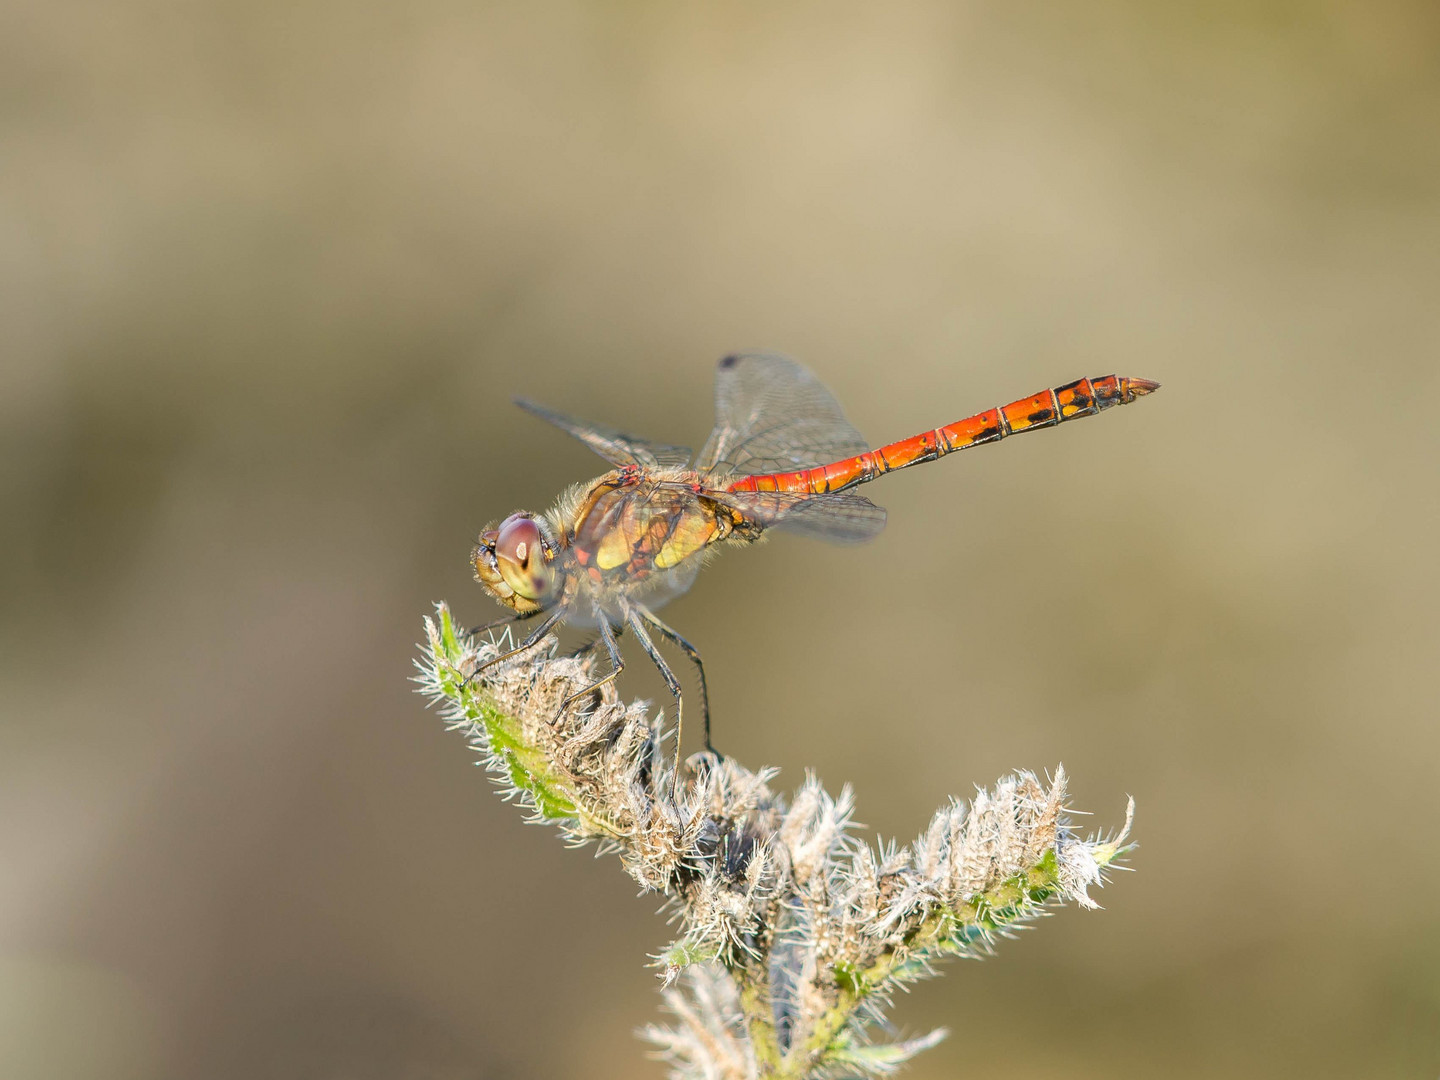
[507, 620]
[617, 664]
[540, 631]
[632, 619]
[594, 643]
[694, 654]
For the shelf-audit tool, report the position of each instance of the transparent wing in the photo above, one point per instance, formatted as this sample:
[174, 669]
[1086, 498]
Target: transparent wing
[771, 415]
[839, 517]
[660, 588]
[610, 444]
[657, 591]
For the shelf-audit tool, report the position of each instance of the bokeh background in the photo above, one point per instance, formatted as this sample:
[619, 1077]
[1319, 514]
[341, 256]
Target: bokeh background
[269, 275]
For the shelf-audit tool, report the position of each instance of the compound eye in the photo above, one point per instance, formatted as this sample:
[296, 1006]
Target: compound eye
[518, 540]
[520, 552]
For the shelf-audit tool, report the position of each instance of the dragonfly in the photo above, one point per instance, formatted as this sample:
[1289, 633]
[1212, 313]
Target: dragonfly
[782, 457]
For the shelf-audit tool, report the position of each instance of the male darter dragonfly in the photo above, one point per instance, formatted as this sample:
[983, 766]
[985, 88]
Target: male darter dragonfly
[782, 456]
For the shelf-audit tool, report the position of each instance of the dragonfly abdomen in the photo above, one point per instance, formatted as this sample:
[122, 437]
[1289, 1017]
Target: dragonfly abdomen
[1084, 397]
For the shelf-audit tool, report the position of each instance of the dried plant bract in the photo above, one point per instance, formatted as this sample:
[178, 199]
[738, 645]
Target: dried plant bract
[794, 934]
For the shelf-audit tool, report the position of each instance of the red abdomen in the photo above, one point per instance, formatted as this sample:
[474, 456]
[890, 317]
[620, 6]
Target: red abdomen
[1084, 397]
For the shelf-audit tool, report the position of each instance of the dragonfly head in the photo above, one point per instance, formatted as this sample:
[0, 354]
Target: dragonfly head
[516, 562]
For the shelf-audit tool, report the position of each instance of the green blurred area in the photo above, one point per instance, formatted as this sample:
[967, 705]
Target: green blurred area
[269, 275]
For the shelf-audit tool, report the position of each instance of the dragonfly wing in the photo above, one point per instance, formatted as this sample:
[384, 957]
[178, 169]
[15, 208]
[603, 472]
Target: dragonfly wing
[662, 587]
[610, 444]
[840, 517]
[772, 415]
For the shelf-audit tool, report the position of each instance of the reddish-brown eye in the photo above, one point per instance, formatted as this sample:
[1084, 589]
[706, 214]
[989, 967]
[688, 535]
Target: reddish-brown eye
[520, 553]
[518, 539]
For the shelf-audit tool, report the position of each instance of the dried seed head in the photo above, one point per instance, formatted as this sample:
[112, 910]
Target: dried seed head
[794, 934]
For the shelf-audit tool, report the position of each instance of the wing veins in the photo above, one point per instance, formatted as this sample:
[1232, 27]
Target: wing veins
[612, 445]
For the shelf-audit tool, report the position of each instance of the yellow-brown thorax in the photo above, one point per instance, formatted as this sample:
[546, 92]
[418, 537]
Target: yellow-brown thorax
[631, 523]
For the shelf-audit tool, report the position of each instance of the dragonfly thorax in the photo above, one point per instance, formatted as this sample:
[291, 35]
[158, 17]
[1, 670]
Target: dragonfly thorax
[629, 526]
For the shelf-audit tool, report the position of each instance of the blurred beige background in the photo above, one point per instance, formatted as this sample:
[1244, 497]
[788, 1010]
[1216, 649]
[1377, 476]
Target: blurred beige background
[269, 275]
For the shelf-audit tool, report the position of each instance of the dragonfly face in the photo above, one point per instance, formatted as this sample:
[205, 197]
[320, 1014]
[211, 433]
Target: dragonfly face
[516, 563]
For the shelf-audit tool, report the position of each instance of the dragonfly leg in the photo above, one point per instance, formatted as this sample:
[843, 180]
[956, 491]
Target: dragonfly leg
[617, 664]
[594, 644]
[637, 627]
[506, 620]
[540, 631]
[694, 655]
